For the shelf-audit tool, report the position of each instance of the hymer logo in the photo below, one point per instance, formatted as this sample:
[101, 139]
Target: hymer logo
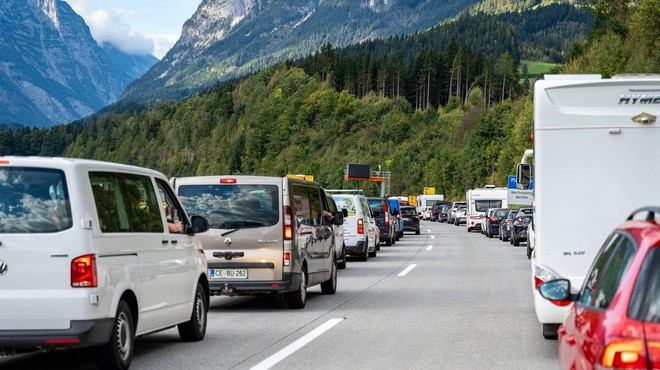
[639, 99]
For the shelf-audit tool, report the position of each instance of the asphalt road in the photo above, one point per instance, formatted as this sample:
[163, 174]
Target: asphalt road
[466, 304]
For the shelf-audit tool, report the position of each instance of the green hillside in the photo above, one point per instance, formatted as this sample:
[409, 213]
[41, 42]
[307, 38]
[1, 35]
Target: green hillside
[293, 118]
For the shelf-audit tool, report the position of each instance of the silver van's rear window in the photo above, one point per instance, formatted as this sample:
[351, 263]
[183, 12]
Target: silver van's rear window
[233, 206]
[33, 200]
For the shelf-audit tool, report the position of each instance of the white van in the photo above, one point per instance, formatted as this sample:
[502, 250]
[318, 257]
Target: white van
[361, 234]
[268, 235]
[425, 202]
[480, 200]
[595, 160]
[87, 258]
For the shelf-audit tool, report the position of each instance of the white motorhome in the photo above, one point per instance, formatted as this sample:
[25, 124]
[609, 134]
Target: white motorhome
[480, 200]
[595, 159]
[425, 202]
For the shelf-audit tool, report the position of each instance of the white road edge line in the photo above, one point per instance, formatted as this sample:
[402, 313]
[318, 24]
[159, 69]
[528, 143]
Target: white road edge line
[432, 236]
[293, 347]
[428, 230]
[407, 270]
[429, 247]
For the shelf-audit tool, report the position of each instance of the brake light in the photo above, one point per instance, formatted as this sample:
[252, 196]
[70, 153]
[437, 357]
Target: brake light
[228, 181]
[62, 340]
[493, 219]
[287, 258]
[508, 222]
[360, 226]
[624, 353]
[83, 272]
[4, 162]
[288, 223]
[519, 219]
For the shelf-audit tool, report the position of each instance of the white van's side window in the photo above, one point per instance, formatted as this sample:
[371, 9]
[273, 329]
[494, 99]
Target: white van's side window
[125, 203]
[33, 200]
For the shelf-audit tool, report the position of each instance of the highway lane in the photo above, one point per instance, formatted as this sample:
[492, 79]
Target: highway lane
[465, 304]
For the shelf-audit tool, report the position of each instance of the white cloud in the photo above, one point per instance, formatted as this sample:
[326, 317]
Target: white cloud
[109, 26]
[163, 43]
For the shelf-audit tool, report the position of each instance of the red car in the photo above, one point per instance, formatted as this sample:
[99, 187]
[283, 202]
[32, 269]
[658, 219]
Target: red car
[614, 322]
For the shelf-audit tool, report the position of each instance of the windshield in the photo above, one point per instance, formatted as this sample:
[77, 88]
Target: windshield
[233, 206]
[501, 213]
[408, 211]
[33, 200]
[484, 205]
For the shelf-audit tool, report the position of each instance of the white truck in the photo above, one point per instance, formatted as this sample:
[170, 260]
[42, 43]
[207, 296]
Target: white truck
[480, 200]
[425, 202]
[595, 161]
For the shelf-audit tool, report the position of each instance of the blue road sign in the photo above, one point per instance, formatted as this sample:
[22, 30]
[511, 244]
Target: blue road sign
[513, 184]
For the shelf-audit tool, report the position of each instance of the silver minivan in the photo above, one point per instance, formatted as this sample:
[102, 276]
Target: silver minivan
[268, 235]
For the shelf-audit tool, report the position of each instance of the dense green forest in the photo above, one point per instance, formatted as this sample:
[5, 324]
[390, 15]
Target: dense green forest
[294, 118]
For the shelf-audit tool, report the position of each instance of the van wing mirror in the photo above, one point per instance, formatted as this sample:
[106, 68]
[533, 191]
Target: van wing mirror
[375, 213]
[199, 224]
[344, 212]
[523, 175]
[338, 217]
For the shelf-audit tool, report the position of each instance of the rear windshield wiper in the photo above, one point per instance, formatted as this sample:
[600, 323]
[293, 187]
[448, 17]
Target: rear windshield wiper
[239, 225]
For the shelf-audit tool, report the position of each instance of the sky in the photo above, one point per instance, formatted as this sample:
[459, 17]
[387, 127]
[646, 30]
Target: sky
[136, 26]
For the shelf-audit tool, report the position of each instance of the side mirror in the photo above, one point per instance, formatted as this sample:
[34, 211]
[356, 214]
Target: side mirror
[344, 212]
[199, 224]
[375, 213]
[338, 218]
[523, 175]
[556, 290]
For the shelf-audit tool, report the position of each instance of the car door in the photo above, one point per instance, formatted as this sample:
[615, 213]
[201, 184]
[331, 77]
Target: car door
[181, 251]
[584, 336]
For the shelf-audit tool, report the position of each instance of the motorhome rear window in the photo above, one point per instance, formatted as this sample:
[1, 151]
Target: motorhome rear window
[33, 200]
[230, 206]
[376, 205]
[484, 205]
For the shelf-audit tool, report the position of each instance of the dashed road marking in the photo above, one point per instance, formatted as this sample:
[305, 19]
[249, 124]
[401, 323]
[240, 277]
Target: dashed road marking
[407, 270]
[429, 247]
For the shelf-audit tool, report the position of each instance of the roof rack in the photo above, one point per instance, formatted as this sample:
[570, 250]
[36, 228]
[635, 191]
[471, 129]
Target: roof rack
[344, 191]
[652, 212]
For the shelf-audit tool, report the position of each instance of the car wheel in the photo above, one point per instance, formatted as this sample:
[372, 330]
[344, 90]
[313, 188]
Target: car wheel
[364, 256]
[342, 263]
[298, 298]
[118, 352]
[550, 331]
[516, 242]
[529, 251]
[330, 286]
[399, 235]
[388, 242]
[469, 229]
[490, 234]
[374, 253]
[195, 329]
[417, 232]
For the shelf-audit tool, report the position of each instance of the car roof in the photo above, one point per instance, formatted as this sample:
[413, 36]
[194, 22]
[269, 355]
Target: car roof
[644, 229]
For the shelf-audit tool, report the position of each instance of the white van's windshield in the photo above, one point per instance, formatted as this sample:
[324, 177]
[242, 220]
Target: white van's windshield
[33, 200]
[233, 206]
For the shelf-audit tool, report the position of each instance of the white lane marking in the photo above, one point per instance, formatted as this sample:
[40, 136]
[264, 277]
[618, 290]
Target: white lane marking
[432, 236]
[293, 347]
[429, 247]
[428, 230]
[407, 270]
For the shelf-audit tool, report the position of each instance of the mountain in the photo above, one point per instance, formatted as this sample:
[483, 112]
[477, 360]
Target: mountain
[225, 39]
[51, 69]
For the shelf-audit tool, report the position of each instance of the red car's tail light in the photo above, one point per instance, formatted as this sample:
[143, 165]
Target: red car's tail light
[288, 222]
[519, 219]
[624, 353]
[228, 181]
[360, 224]
[493, 219]
[83, 272]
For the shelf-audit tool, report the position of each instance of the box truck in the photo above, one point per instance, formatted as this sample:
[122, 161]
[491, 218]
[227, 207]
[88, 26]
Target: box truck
[595, 162]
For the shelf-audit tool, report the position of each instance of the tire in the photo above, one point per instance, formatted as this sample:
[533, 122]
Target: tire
[388, 242]
[515, 242]
[118, 352]
[550, 331]
[490, 234]
[342, 265]
[468, 229]
[330, 286]
[195, 329]
[298, 298]
[399, 235]
[417, 232]
[364, 256]
[374, 253]
[529, 251]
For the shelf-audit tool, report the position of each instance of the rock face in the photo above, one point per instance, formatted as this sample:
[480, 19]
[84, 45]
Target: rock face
[225, 39]
[51, 69]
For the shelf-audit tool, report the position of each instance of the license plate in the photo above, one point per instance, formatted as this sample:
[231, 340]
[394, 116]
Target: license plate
[228, 273]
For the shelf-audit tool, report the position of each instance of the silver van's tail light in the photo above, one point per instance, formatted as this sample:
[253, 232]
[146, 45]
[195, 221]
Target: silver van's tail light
[83, 272]
[287, 258]
[288, 223]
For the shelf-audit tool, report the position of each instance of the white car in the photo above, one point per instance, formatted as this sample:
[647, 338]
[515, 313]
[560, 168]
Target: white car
[361, 235]
[87, 258]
